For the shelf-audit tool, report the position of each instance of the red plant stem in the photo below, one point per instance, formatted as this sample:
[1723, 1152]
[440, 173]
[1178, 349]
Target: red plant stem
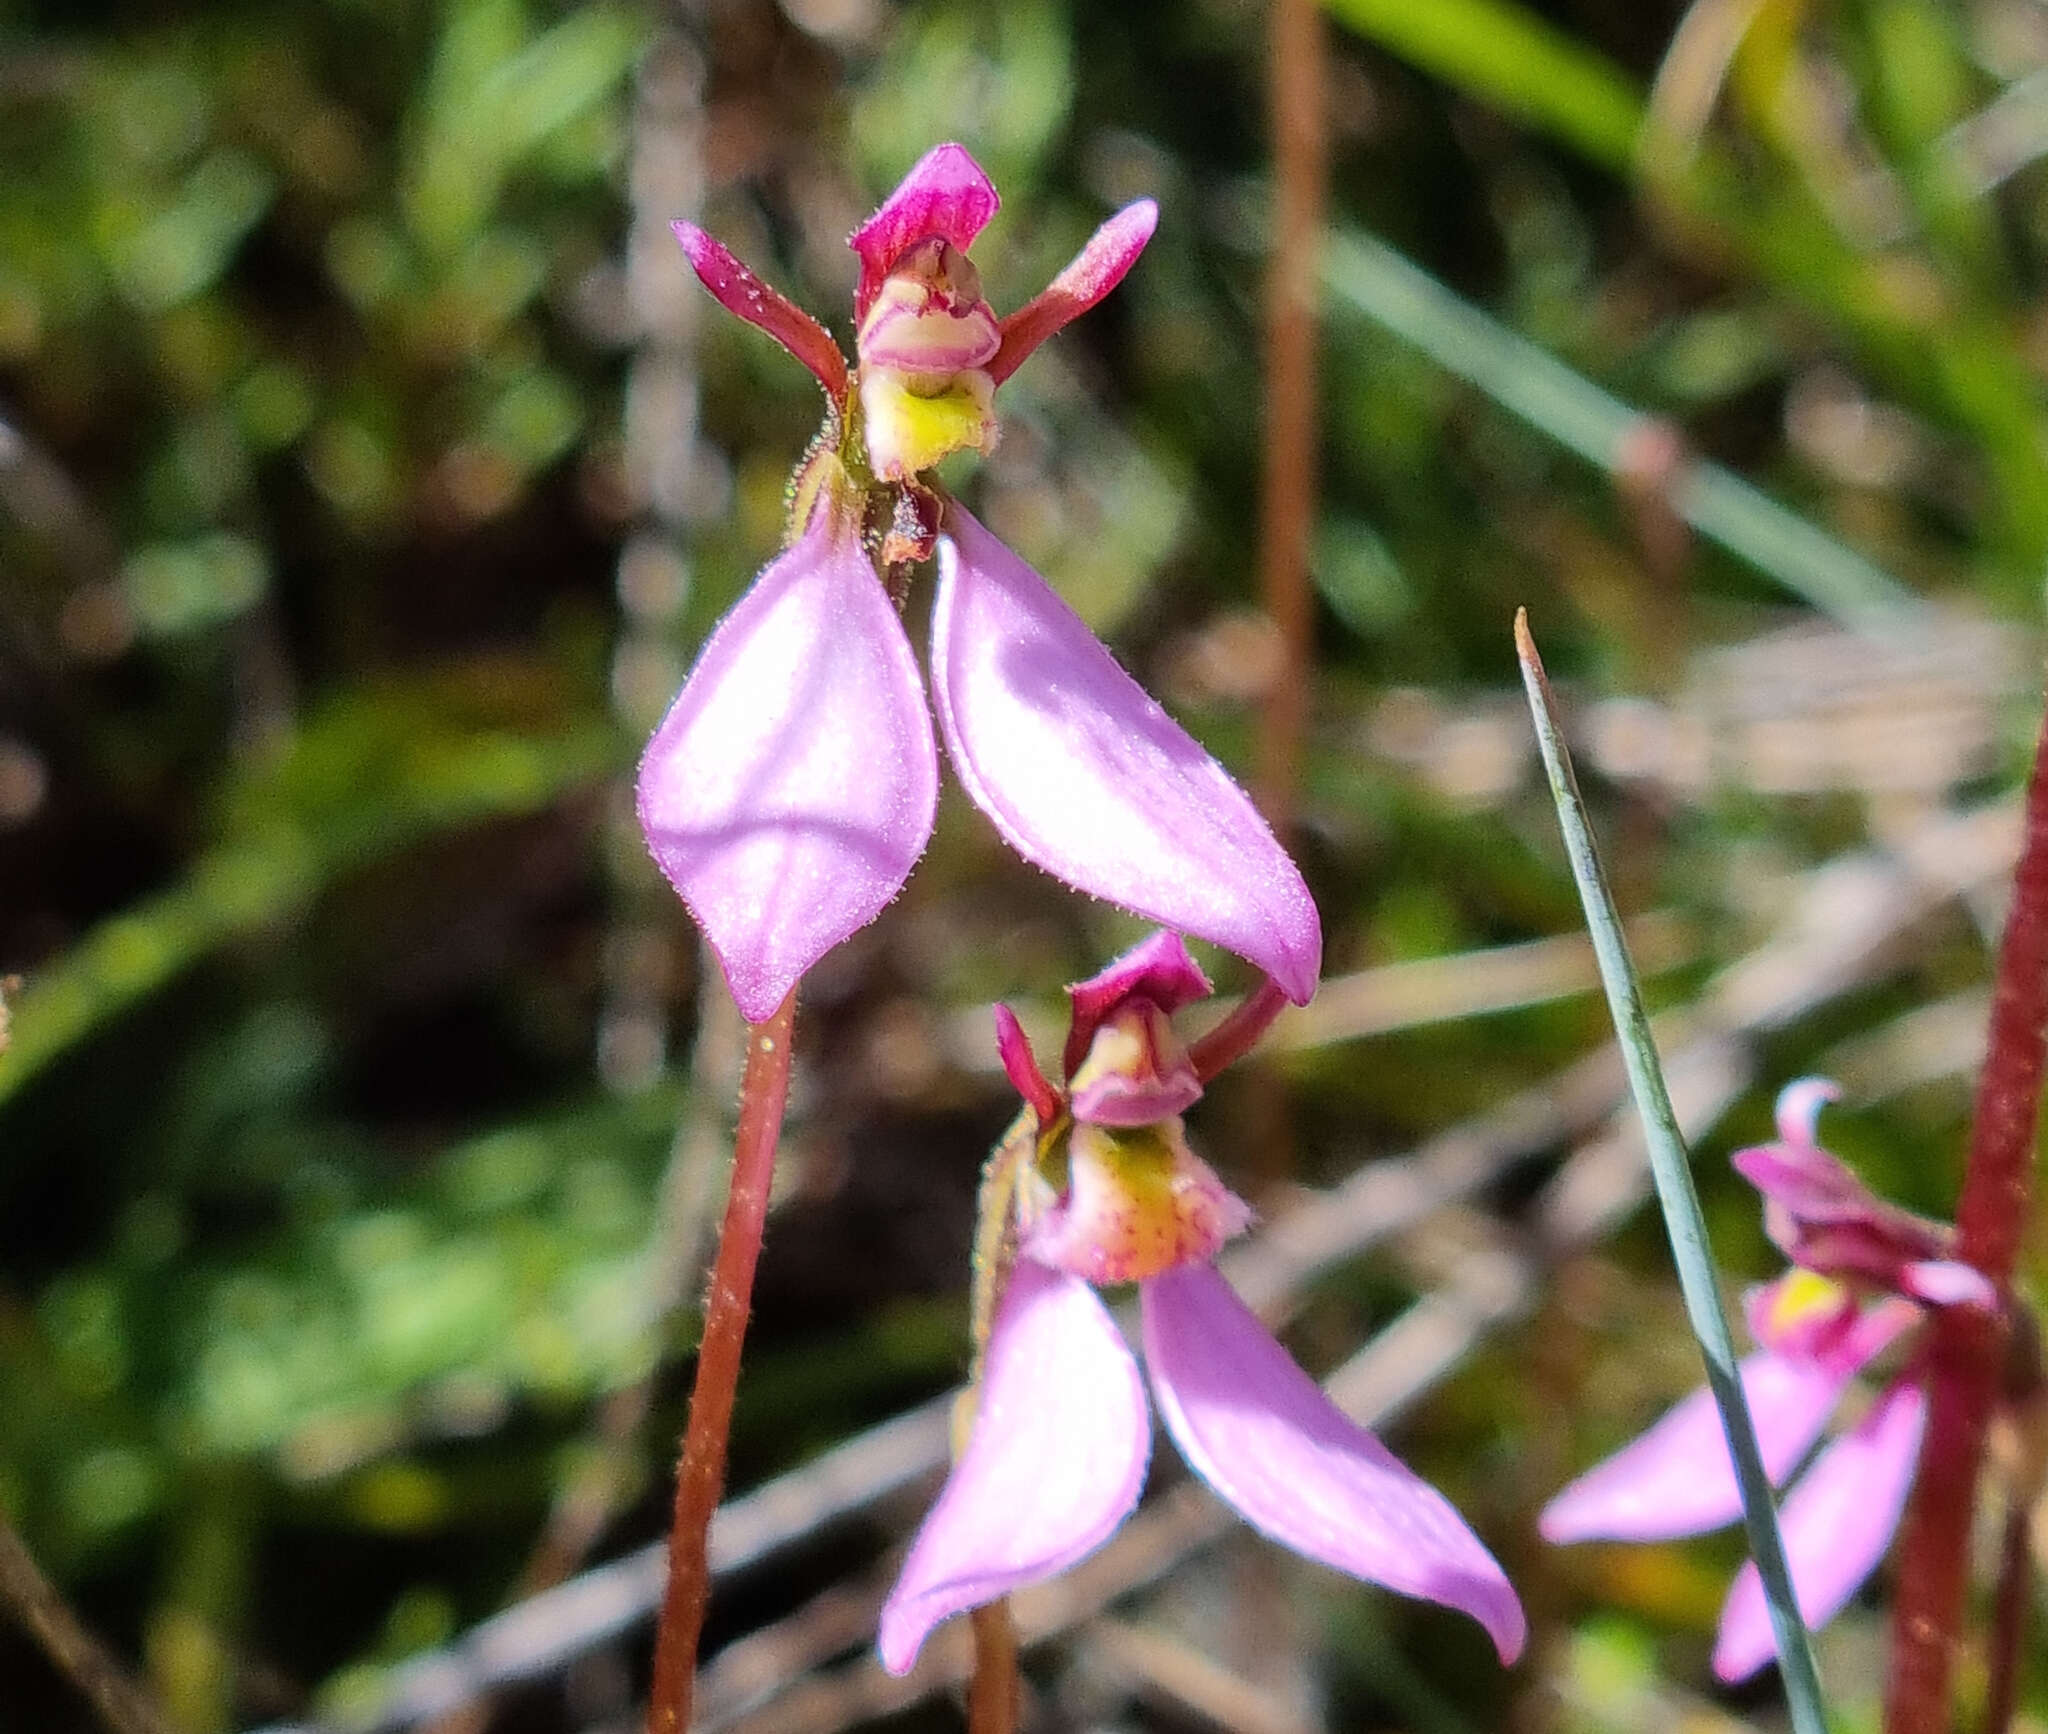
[1964, 1365]
[1238, 1033]
[701, 1479]
[1288, 494]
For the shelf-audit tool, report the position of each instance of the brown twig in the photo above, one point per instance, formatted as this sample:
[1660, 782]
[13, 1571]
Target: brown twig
[1991, 1220]
[701, 1479]
[1288, 494]
[80, 1656]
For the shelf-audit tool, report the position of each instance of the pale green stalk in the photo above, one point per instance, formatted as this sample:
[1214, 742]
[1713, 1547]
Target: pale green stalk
[1671, 1169]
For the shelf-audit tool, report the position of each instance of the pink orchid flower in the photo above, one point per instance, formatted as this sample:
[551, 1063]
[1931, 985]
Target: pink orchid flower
[792, 786]
[1107, 1191]
[1868, 1272]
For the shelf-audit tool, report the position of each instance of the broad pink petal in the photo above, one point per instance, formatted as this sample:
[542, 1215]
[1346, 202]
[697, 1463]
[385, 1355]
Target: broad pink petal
[1837, 1523]
[1054, 1463]
[1676, 1478]
[1263, 1435]
[945, 194]
[1014, 1049]
[1086, 776]
[1094, 271]
[739, 291]
[790, 789]
[1158, 967]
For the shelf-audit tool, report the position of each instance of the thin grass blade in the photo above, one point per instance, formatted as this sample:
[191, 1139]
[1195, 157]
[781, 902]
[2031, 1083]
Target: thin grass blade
[1671, 1169]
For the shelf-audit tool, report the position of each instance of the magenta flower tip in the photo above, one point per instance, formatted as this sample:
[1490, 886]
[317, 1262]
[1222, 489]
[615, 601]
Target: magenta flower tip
[1084, 774]
[1157, 968]
[739, 291]
[1021, 1065]
[791, 787]
[1097, 269]
[945, 194]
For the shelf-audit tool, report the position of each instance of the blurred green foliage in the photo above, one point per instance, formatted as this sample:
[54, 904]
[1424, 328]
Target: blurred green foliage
[325, 1241]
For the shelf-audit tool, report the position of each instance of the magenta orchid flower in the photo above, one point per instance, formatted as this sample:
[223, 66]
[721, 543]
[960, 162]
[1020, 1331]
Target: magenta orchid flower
[1106, 1190]
[792, 786]
[1867, 1274]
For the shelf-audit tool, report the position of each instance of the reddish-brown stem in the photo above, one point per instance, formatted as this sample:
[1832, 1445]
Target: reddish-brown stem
[1964, 1364]
[1295, 84]
[1239, 1032]
[993, 1693]
[2009, 1621]
[701, 1479]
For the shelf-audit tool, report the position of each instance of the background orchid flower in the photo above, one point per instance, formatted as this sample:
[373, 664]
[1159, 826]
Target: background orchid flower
[1874, 1271]
[791, 788]
[1106, 1190]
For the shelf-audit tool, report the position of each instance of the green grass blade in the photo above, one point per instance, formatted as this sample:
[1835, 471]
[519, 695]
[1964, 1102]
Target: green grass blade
[1671, 1169]
[1366, 274]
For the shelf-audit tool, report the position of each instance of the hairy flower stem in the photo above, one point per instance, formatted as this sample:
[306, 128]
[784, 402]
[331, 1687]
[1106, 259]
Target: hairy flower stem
[701, 1479]
[1964, 1367]
[993, 1693]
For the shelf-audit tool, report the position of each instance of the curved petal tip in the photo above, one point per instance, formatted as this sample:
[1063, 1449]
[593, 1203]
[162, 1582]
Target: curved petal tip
[1268, 1441]
[1085, 775]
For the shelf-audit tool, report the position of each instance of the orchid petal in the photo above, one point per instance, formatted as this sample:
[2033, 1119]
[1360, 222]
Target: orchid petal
[1158, 967]
[1055, 1461]
[1837, 1523]
[739, 291]
[1676, 1478]
[1084, 774]
[1013, 1047]
[790, 789]
[945, 194]
[1097, 269]
[1138, 1202]
[1948, 1282]
[1263, 1435]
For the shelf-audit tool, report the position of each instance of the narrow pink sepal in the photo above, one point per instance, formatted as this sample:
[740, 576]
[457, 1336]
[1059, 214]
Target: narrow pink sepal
[790, 789]
[1054, 1463]
[1267, 1440]
[1085, 775]
[945, 194]
[1158, 967]
[738, 290]
[1093, 272]
[1676, 1478]
[1021, 1064]
[1837, 1524]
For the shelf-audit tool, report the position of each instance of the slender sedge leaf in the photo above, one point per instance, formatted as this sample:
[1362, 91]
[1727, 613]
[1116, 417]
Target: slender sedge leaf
[1671, 1169]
